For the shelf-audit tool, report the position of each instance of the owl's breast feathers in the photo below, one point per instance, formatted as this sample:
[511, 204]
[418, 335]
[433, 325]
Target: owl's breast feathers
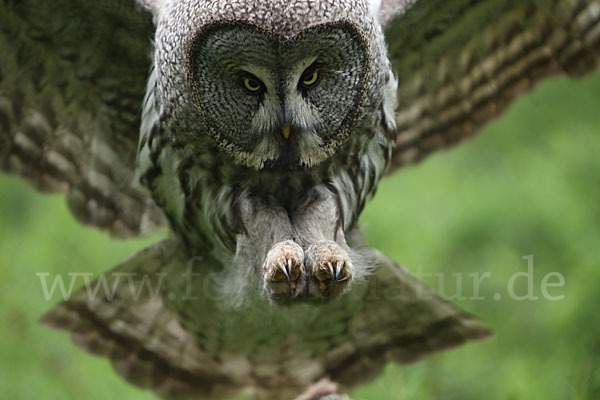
[198, 187]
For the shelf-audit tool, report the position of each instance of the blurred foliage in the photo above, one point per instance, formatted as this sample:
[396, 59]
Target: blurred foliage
[529, 185]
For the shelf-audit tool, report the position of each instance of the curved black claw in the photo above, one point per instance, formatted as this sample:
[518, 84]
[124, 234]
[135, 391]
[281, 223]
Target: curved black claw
[284, 270]
[331, 268]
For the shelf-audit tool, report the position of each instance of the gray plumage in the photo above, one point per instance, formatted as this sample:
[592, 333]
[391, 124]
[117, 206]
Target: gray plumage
[214, 157]
[264, 129]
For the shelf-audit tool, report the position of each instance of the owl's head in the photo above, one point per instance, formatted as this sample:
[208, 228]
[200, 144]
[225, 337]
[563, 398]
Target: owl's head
[276, 84]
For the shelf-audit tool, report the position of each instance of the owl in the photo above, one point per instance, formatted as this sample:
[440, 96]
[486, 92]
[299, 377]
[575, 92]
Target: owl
[257, 130]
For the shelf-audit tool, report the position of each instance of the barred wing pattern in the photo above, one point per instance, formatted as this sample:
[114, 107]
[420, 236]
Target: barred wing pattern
[460, 63]
[72, 79]
[73, 76]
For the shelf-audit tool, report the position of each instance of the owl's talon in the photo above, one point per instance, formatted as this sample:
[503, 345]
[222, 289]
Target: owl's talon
[286, 271]
[283, 270]
[329, 281]
[338, 269]
[331, 272]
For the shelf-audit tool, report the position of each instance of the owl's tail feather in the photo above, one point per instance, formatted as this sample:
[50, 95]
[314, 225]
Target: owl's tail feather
[391, 318]
[132, 327]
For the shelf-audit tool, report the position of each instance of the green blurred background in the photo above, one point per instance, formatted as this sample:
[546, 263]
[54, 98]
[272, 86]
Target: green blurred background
[529, 185]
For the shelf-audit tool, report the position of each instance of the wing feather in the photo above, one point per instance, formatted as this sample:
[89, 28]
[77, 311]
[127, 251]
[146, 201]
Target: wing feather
[72, 80]
[460, 63]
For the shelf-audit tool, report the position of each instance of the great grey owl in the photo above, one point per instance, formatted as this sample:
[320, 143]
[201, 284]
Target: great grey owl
[265, 127]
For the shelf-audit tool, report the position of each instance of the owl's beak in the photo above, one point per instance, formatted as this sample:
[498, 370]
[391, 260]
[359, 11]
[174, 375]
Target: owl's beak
[285, 131]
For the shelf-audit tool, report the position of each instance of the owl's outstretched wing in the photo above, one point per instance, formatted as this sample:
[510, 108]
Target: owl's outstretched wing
[72, 81]
[391, 318]
[461, 62]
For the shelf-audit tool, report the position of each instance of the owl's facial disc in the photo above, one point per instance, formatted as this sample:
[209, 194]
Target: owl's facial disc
[275, 103]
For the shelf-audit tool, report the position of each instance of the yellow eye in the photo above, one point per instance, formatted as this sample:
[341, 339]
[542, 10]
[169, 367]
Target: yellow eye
[252, 85]
[310, 78]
